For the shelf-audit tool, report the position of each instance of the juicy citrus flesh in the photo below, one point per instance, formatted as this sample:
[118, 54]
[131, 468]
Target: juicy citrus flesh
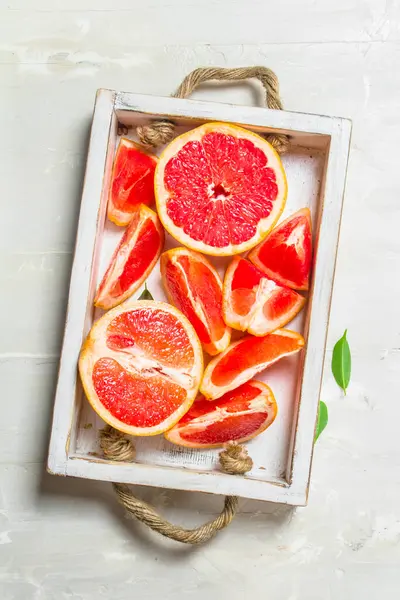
[255, 303]
[194, 287]
[133, 259]
[220, 188]
[132, 181]
[141, 367]
[285, 255]
[247, 357]
[239, 415]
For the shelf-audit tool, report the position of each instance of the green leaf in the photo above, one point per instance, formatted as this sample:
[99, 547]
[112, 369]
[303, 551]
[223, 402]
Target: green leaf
[145, 295]
[322, 419]
[341, 362]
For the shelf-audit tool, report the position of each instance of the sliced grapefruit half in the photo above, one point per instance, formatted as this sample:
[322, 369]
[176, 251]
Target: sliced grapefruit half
[132, 181]
[219, 189]
[141, 366]
[133, 259]
[194, 286]
[245, 358]
[285, 255]
[238, 416]
[255, 303]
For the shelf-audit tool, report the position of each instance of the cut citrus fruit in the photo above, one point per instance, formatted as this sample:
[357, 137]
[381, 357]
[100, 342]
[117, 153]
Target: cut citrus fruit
[133, 259]
[132, 181]
[194, 286]
[285, 255]
[254, 303]
[237, 416]
[141, 367]
[219, 189]
[243, 359]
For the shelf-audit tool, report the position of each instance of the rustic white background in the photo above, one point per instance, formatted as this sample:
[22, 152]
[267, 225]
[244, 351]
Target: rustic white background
[68, 539]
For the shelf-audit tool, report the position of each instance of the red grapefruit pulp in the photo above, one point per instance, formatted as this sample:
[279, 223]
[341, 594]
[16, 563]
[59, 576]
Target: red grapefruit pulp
[285, 255]
[141, 366]
[219, 189]
[194, 286]
[254, 303]
[133, 259]
[239, 415]
[132, 181]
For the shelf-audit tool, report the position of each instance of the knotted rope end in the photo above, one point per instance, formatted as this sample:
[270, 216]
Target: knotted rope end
[235, 460]
[116, 446]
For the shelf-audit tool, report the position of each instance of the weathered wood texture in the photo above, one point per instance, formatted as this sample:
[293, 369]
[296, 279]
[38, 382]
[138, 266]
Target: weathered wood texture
[67, 539]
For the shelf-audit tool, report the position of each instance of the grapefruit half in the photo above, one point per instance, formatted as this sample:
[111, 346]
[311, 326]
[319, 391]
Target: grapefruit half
[141, 366]
[133, 259]
[194, 286]
[245, 358]
[254, 303]
[132, 181]
[219, 189]
[285, 255]
[239, 416]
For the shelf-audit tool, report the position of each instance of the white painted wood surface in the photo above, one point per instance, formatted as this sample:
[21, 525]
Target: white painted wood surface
[66, 539]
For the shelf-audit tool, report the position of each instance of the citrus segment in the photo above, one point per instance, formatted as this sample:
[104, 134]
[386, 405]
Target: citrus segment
[133, 259]
[239, 415]
[243, 359]
[285, 255]
[254, 303]
[141, 366]
[194, 286]
[132, 181]
[219, 188]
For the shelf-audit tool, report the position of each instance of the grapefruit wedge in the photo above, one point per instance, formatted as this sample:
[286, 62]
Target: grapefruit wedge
[285, 255]
[245, 358]
[141, 367]
[238, 416]
[219, 189]
[194, 286]
[254, 303]
[133, 259]
[132, 181]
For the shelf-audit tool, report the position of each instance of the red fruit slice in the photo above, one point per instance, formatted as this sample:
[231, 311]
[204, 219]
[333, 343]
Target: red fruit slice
[132, 181]
[254, 303]
[243, 359]
[141, 367]
[285, 255]
[133, 259]
[219, 189]
[194, 286]
[239, 415]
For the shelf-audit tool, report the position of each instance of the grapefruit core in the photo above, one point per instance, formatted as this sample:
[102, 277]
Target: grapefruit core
[254, 303]
[132, 181]
[141, 366]
[133, 259]
[219, 189]
[245, 358]
[285, 255]
[194, 286]
[239, 416]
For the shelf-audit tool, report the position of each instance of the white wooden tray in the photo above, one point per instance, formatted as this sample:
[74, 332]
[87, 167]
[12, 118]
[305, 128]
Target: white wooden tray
[316, 170]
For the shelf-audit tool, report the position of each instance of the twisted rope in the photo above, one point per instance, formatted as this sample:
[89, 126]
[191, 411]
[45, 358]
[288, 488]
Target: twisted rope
[162, 132]
[233, 460]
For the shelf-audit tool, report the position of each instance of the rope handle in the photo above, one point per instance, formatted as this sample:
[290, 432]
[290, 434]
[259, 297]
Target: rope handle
[233, 460]
[162, 132]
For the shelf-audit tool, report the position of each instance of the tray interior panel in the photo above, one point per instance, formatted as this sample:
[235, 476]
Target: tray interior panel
[271, 451]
